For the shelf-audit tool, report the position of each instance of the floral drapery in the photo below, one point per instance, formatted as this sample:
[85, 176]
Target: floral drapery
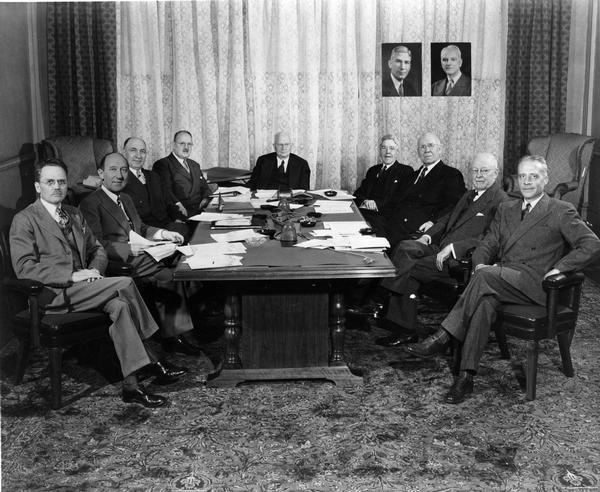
[82, 79]
[235, 72]
[536, 73]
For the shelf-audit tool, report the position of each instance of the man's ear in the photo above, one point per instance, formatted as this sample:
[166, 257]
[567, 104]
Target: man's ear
[100, 172]
[38, 189]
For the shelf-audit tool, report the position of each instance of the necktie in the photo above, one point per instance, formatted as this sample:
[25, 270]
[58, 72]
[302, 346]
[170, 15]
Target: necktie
[120, 204]
[422, 174]
[186, 165]
[282, 166]
[63, 218]
[382, 171]
[526, 210]
[401, 89]
[474, 195]
[449, 87]
[141, 176]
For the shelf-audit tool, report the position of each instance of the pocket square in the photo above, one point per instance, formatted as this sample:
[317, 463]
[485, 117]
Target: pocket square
[479, 214]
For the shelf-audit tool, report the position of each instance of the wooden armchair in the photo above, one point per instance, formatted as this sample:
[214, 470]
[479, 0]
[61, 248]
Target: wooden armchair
[33, 329]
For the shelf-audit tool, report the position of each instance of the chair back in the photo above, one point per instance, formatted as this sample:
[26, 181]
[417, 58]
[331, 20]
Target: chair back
[568, 156]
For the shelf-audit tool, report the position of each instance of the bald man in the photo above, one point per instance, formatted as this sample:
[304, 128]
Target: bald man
[450, 238]
[280, 170]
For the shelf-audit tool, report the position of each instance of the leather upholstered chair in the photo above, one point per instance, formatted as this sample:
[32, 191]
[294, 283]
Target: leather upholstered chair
[534, 323]
[81, 156]
[33, 329]
[568, 156]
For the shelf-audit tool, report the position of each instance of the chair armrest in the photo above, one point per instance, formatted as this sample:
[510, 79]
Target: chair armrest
[563, 188]
[561, 280]
[118, 269]
[510, 183]
[23, 286]
[462, 271]
[562, 289]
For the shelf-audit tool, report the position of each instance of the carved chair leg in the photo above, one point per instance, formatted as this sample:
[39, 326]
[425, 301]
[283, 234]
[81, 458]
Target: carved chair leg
[55, 367]
[531, 370]
[564, 345]
[23, 351]
[502, 342]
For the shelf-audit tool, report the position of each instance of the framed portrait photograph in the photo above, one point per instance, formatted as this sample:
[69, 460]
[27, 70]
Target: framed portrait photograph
[450, 69]
[401, 70]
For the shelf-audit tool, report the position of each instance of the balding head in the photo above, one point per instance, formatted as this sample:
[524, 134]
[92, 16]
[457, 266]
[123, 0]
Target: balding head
[282, 143]
[429, 148]
[134, 150]
[114, 170]
[484, 171]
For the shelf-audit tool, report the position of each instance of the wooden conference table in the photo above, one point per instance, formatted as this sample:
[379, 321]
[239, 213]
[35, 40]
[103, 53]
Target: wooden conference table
[285, 313]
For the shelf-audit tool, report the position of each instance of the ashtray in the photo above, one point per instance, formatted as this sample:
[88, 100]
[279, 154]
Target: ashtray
[307, 221]
[330, 193]
[365, 231]
[270, 233]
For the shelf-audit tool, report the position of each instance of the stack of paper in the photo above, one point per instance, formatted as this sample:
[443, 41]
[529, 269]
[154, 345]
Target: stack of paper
[333, 207]
[157, 249]
[213, 255]
[233, 236]
[346, 227]
[212, 216]
[200, 262]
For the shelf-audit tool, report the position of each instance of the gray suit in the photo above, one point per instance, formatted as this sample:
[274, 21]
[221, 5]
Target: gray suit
[40, 251]
[521, 252]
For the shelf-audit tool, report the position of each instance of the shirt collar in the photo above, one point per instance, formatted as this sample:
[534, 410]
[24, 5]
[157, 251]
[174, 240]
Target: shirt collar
[285, 161]
[533, 203]
[454, 79]
[110, 194]
[51, 208]
[135, 173]
[430, 166]
[179, 159]
[397, 82]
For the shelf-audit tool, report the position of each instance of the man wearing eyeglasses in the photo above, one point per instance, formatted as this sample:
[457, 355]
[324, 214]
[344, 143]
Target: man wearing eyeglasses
[528, 240]
[52, 243]
[280, 170]
[381, 183]
[429, 258]
[182, 177]
[434, 191]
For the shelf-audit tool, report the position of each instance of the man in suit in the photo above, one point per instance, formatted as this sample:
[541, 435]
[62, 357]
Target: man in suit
[51, 243]
[455, 83]
[112, 216]
[381, 183]
[154, 205]
[395, 84]
[280, 170]
[429, 257]
[434, 191]
[526, 243]
[182, 177]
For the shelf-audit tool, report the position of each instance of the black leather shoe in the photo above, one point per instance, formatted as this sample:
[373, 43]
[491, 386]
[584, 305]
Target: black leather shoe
[366, 310]
[397, 340]
[166, 373]
[462, 386]
[436, 343]
[141, 396]
[181, 345]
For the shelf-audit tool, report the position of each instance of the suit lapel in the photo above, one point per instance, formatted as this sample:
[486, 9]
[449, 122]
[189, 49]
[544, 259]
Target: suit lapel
[178, 168]
[113, 211]
[475, 207]
[521, 227]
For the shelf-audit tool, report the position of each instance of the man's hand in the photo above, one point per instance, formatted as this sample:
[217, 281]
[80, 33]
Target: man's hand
[442, 256]
[424, 239]
[425, 226]
[172, 236]
[86, 275]
[181, 208]
[136, 249]
[369, 205]
[554, 271]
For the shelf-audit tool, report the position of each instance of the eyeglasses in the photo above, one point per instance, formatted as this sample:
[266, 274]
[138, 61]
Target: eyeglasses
[483, 172]
[185, 144]
[52, 182]
[427, 146]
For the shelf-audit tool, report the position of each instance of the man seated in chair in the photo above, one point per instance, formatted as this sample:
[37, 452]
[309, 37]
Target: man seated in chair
[280, 169]
[52, 243]
[112, 216]
[526, 243]
[434, 191]
[451, 238]
[154, 205]
[382, 183]
[182, 177]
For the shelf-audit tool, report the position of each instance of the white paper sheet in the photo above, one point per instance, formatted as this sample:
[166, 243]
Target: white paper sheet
[197, 262]
[160, 251]
[212, 216]
[333, 207]
[345, 227]
[233, 236]
[213, 249]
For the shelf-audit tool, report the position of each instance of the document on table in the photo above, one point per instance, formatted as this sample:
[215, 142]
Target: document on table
[233, 236]
[212, 216]
[197, 262]
[213, 249]
[160, 251]
[345, 227]
[243, 221]
[333, 207]
[356, 242]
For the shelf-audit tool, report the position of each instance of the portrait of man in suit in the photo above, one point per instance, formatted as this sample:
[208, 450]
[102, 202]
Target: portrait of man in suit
[401, 69]
[280, 170]
[182, 177]
[452, 76]
[528, 240]
[52, 243]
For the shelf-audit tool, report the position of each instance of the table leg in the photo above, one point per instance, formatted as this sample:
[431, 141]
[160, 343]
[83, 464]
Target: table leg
[232, 333]
[337, 326]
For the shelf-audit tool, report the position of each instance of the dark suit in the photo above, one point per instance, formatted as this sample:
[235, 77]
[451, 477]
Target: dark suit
[188, 188]
[461, 88]
[382, 187]
[109, 224]
[415, 262]
[388, 89]
[41, 251]
[522, 253]
[154, 205]
[264, 174]
[432, 197]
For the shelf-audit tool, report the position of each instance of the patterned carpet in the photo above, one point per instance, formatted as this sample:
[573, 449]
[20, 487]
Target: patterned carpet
[391, 434]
